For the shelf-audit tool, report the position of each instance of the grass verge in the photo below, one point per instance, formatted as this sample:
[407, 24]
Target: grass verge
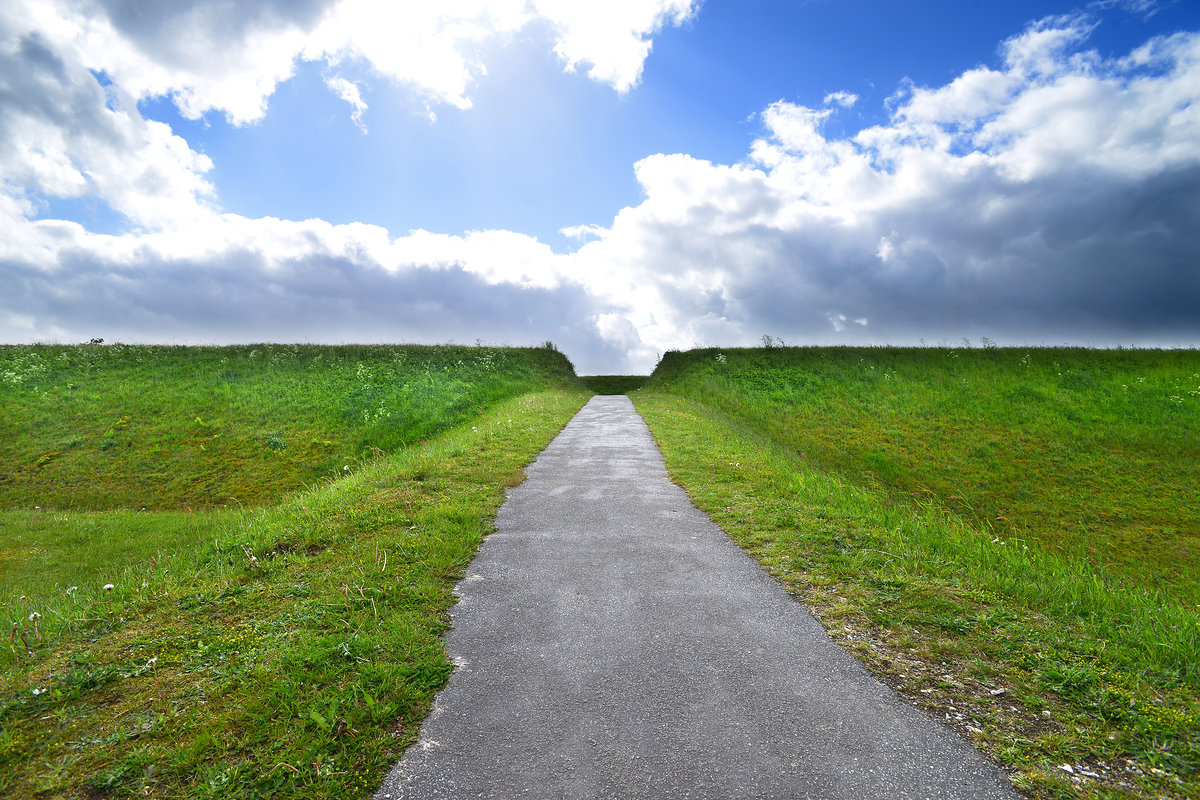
[293, 654]
[1080, 677]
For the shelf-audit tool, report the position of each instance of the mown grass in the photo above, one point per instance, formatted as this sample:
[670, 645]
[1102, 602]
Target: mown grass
[1009, 537]
[288, 650]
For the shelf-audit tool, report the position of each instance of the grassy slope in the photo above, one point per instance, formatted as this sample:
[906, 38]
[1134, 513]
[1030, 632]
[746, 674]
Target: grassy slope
[169, 428]
[976, 520]
[290, 650]
[614, 384]
[207, 428]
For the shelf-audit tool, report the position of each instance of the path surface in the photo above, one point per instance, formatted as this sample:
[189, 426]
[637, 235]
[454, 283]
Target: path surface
[611, 642]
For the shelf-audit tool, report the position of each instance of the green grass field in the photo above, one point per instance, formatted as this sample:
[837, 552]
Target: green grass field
[286, 644]
[1009, 537]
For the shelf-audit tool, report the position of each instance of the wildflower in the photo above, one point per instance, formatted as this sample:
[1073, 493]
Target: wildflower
[71, 592]
[346, 468]
[34, 617]
[37, 691]
[108, 587]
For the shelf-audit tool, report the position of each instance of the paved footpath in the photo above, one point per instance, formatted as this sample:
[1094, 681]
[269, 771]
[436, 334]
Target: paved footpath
[611, 642]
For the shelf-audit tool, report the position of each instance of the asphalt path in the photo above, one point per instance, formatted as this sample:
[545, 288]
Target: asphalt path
[612, 642]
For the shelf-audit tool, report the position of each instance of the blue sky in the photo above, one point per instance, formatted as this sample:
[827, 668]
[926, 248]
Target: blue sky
[817, 171]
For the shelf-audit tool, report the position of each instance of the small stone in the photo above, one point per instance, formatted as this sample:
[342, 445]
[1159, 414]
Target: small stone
[997, 692]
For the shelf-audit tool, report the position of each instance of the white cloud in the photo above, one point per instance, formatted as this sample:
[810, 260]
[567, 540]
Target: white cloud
[1054, 195]
[843, 99]
[204, 55]
[348, 91]
[1142, 8]
[590, 231]
[613, 37]
[70, 121]
[63, 135]
[212, 55]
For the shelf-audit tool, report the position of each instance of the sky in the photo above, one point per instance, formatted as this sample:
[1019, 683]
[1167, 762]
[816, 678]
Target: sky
[620, 178]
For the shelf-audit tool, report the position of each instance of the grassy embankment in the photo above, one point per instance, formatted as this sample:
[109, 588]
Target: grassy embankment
[272, 626]
[614, 384]
[1009, 537]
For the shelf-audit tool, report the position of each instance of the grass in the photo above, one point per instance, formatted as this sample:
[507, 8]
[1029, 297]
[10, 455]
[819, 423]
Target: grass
[47, 552]
[200, 429]
[614, 384]
[175, 428]
[1008, 537]
[290, 649]
[225, 571]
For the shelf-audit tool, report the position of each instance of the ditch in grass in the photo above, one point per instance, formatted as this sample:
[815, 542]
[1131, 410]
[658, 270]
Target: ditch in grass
[1007, 537]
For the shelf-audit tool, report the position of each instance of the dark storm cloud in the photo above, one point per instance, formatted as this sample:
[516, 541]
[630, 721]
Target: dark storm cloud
[1090, 258]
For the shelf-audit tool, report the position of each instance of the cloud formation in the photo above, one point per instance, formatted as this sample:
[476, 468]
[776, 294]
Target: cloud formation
[208, 55]
[1054, 197]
